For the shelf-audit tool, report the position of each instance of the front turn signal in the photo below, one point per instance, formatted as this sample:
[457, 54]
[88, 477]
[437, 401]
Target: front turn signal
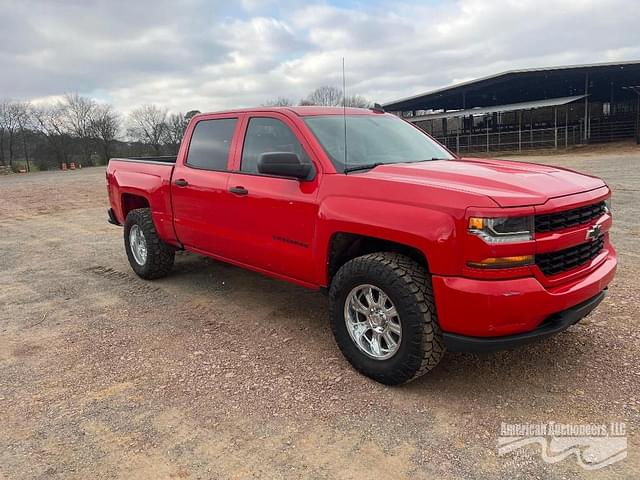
[503, 262]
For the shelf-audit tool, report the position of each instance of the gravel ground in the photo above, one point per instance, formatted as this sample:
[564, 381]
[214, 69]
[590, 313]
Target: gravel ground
[216, 372]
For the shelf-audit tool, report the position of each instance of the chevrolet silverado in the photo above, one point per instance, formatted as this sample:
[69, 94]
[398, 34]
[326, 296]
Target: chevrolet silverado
[420, 250]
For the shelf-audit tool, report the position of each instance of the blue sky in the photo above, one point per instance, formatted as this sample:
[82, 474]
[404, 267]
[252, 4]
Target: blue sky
[212, 54]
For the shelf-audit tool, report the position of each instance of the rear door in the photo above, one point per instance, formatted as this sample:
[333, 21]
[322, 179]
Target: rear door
[274, 218]
[199, 185]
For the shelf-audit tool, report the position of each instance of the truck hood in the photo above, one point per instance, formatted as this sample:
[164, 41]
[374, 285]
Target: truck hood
[509, 184]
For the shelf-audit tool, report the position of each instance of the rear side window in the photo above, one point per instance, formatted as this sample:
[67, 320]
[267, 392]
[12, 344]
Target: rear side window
[266, 135]
[210, 143]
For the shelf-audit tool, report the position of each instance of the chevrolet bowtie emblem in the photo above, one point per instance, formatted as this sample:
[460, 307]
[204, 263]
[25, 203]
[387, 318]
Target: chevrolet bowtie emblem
[593, 232]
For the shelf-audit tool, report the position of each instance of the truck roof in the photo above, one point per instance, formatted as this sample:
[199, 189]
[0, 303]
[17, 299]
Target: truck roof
[301, 111]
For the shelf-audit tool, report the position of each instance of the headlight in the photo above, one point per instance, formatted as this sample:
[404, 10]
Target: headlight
[607, 205]
[503, 229]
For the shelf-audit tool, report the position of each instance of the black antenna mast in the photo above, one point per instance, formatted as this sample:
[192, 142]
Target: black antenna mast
[344, 113]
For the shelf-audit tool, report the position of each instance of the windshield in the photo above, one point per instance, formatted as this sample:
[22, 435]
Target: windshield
[373, 139]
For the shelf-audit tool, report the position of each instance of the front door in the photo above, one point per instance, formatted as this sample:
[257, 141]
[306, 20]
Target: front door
[274, 218]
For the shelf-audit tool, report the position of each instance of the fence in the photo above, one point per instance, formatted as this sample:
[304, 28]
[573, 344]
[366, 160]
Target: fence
[488, 141]
[526, 138]
[600, 131]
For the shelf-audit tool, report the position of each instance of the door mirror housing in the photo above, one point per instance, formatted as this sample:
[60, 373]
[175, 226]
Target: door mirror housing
[284, 164]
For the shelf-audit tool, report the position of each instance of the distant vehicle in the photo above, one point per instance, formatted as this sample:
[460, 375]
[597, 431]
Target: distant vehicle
[420, 250]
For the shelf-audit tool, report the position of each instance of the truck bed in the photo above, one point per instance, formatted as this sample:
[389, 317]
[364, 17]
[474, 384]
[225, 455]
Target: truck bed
[132, 179]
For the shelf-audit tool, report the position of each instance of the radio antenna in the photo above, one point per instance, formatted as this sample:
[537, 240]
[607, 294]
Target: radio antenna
[344, 113]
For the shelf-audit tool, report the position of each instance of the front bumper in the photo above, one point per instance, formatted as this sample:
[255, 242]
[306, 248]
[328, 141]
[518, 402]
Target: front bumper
[488, 309]
[554, 324]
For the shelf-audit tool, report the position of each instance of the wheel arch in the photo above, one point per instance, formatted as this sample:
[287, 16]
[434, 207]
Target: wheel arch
[130, 201]
[350, 227]
[345, 246]
[159, 204]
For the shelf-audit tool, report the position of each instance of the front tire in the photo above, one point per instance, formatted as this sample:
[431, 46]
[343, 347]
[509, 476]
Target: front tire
[384, 319]
[148, 255]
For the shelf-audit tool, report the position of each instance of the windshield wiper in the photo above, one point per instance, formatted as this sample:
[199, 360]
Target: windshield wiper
[366, 166]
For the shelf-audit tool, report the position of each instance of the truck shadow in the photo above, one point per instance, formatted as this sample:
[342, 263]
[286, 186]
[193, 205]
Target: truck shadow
[548, 365]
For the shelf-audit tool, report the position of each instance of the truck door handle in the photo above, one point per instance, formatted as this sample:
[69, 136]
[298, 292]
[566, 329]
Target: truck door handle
[239, 190]
[181, 182]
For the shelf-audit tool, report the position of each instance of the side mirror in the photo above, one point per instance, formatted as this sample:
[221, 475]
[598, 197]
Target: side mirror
[284, 164]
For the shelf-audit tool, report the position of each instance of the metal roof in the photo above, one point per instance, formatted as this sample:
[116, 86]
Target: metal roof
[549, 102]
[524, 84]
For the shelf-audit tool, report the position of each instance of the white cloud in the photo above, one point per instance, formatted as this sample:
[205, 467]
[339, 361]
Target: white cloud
[213, 55]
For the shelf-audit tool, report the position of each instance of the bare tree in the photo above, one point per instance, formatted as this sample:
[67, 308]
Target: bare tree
[325, 96]
[79, 114]
[176, 125]
[105, 124]
[148, 125]
[278, 102]
[51, 122]
[9, 123]
[25, 123]
[357, 101]
[2, 133]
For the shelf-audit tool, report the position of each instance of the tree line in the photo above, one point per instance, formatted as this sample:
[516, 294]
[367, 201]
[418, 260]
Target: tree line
[78, 129]
[325, 96]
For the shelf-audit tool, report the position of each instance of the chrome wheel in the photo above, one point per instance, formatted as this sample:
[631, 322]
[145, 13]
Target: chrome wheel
[373, 322]
[138, 245]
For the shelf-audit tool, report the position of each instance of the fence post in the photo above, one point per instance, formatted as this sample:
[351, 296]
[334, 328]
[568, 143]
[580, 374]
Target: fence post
[586, 106]
[580, 126]
[566, 128]
[555, 127]
[531, 129]
[519, 139]
[458, 141]
[520, 131]
[487, 137]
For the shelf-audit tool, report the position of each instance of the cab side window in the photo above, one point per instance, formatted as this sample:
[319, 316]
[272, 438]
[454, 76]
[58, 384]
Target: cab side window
[268, 135]
[210, 144]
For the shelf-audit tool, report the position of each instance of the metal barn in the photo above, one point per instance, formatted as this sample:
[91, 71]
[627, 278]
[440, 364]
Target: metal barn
[555, 107]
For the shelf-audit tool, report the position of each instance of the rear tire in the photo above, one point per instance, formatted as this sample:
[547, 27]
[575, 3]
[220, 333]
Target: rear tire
[148, 255]
[408, 288]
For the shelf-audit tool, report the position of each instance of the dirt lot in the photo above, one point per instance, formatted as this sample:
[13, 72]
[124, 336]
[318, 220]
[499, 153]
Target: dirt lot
[215, 372]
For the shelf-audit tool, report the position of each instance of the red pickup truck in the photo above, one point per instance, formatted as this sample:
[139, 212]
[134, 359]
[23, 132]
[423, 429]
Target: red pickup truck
[420, 250]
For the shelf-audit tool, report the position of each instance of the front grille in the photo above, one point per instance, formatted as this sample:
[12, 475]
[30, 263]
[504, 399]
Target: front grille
[557, 262]
[569, 218]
